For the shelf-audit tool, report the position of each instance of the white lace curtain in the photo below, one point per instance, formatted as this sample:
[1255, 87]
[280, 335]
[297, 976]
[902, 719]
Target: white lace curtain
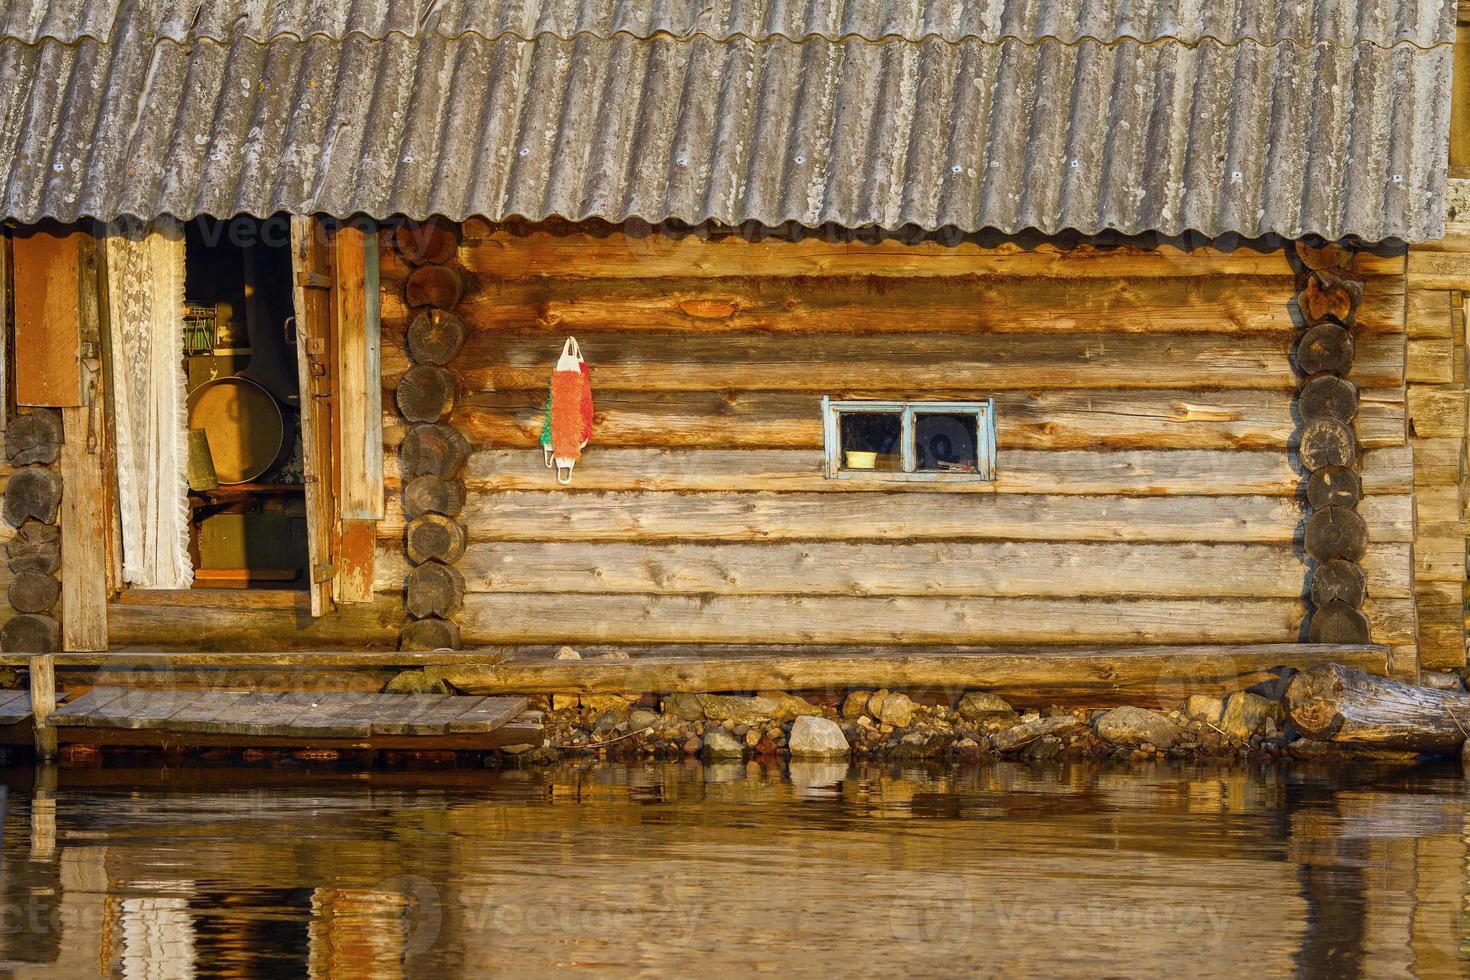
[145, 278]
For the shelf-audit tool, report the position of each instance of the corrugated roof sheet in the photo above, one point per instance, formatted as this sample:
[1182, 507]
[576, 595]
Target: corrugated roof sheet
[969, 114]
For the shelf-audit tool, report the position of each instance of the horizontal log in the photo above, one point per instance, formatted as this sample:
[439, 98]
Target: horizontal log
[565, 250]
[683, 361]
[1085, 419]
[1158, 676]
[599, 516]
[227, 620]
[1167, 473]
[833, 304]
[535, 618]
[1346, 706]
[872, 569]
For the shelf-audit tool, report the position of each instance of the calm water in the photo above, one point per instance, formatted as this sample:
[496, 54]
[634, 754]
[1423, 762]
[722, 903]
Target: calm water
[815, 870]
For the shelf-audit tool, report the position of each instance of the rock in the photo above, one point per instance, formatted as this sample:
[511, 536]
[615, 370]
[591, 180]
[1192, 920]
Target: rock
[566, 653]
[1442, 680]
[720, 744]
[1045, 748]
[598, 703]
[1137, 726]
[520, 748]
[758, 710]
[685, 706]
[978, 706]
[855, 705]
[818, 738]
[892, 708]
[692, 745]
[564, 702]
[752, 737]
[1245, 714]
[417, 682]
[641, 720]
[1204, 708]
[615, 655]
[605, 724]
[1019, 736]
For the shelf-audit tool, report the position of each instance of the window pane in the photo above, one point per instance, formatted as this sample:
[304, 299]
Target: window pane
[946, 442]
[871, 440]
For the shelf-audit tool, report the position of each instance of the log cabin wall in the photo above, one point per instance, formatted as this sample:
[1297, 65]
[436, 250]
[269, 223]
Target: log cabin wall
[1147, 490]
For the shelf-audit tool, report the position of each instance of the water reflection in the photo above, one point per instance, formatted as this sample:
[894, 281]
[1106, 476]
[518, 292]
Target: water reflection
[812, 870]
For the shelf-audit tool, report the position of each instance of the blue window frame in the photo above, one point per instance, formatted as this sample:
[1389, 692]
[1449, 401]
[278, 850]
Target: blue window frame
[909, 441]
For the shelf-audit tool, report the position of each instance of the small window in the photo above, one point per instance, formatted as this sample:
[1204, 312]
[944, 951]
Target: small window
[879, 440]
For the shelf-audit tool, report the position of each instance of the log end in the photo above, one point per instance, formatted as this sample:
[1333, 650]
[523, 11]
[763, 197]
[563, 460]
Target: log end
[1312, 697]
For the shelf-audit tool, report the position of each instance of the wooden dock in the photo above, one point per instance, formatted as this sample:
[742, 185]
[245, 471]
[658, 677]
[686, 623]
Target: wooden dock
[276, 719]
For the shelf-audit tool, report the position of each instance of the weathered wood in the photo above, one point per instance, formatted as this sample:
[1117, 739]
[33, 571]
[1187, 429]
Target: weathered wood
[429, 634]
[1332, 486]
[434, 537]
[1330, 294]
[435, 336]
[1327, 441]
[638, 516]
[1149, 675]
[249, 619]
[1328, 395]
[42, 677]
[34, 492]
[434, 241]
[1035, 419]
[83, 535]
[33, 592]
[1338, 622]
[535, 618]
[881, 568]
[425, 393]
[1325, 348]
[1323, 255]
[1335, 532]
[1167, 473]
[431, 495]
[30, 633]
[440, 286]
[1346, 706]
[675, 361]
[1341, 581]
[432, 450]
[35, 547]
[433, 589]
[46, 271]
[311, 268]
[356, 297]
[34, 437]
[488, 715]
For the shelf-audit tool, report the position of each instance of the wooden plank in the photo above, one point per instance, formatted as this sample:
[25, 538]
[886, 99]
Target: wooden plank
[613, 619]
[1437, 411]
[984, 363]
[317, 714]
[252, 713]
[951, 568]
[566, 250]
[761, 516]
[316, 374]
[46, 303]
[1035, 419]
[1427, 314]
[522, 731]
[413, 710]
[42, 677]
[200, 708]
[189, 621]
[356, 555]
[1076, 472]
[435, 719]
[83, 533]
[1148, 676]
[965, 304]
[132, 708]
[488, 715]
[1438, 269]
[355, 284]
[15, 707]
[80, 707]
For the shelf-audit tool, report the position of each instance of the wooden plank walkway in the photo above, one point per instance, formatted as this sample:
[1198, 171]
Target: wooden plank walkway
[272, 718]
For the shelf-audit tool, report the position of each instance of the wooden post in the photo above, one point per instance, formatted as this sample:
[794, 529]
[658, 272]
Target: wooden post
[83, 533]
[43, 703]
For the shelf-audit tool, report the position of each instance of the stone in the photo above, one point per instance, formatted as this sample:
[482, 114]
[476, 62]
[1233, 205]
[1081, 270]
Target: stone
[1203, 707]
[614, 655]
[789, 706]
[1245, 714]
[978, 706]
[598, 703]
[641, 720]
[855, 705]
[564, 702]
[752, 737]
[520, 748]
[417, 682]
[818, 738]
[1137, 726]
[892, 708]
[606, 723]
[566, 653]
[1019, 736]
[720, 744]
[1043, 749]
[758, 710]
[692, 745]
[685, 706]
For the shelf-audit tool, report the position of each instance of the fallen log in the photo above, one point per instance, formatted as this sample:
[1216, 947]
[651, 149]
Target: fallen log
[1333, 703]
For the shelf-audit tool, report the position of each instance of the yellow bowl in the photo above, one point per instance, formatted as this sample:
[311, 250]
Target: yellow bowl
[860, 460]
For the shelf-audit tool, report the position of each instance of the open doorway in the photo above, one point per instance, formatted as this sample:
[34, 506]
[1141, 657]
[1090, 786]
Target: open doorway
[247, 502]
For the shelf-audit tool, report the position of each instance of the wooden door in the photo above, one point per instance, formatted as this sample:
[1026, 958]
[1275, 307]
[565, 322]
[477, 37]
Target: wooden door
[315, 325]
